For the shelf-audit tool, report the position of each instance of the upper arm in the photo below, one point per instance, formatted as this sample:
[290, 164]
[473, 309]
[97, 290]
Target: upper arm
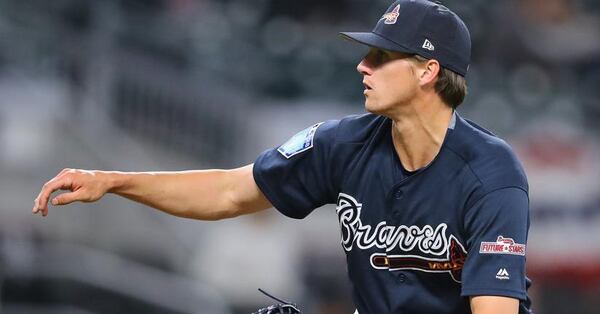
[297, 176]
[496, 228]
[494, 305]
[245, 196]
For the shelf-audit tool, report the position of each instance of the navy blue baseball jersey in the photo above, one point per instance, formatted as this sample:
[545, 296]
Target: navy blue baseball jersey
[415, 242]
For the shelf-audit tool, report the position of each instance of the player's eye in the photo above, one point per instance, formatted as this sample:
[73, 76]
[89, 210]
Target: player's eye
[381, 56]
[377, 57]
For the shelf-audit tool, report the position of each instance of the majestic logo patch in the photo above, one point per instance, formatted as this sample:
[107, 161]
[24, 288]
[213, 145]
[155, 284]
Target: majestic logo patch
[300, 142]
[502, 246]
[502, 274]
[428, 45]
[426, 240]
[391, 17]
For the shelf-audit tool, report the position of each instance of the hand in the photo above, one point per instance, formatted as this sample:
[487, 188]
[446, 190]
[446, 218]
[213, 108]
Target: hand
[85, 186]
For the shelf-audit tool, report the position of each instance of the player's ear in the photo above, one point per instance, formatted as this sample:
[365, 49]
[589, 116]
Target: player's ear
[428, 71]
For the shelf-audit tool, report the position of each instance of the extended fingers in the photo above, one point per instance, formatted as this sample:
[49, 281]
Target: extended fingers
[59, 182]
[67, 198]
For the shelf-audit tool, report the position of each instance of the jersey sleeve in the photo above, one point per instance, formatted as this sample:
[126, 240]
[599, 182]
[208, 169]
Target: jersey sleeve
[295, 177]
[496, 227]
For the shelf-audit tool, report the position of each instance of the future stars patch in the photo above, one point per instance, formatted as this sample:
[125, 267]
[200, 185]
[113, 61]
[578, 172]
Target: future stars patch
[300, 142]
[502, 246]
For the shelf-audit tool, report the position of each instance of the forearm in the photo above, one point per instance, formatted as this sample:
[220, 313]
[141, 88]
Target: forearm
[198, 194]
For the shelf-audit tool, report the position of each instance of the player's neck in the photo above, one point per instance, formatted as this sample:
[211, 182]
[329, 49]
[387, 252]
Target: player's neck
[418, 132]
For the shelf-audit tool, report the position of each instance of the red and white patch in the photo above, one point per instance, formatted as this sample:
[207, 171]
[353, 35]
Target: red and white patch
[392, 17]
[502, 246]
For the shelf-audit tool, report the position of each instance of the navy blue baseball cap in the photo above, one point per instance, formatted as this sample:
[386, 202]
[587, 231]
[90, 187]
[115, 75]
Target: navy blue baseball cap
[421, 27]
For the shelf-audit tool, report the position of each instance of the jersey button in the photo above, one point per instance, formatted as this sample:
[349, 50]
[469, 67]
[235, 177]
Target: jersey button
[401, 278]
[398, 194]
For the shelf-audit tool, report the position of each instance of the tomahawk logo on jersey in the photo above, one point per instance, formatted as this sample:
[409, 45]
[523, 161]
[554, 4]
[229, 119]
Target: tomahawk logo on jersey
[441, 233]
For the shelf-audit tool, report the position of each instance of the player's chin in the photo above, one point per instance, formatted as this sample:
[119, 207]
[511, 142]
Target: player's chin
[373, 107]
[369, 106]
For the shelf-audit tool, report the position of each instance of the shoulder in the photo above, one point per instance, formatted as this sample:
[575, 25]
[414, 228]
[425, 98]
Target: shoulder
[322, 137]
[359, 128]
[491, 160]
[349, 129]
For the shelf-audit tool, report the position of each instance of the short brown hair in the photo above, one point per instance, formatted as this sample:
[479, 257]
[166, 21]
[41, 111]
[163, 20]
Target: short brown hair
[451, 86]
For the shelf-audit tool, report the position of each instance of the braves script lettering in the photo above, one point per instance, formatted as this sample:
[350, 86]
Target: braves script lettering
[427, 239]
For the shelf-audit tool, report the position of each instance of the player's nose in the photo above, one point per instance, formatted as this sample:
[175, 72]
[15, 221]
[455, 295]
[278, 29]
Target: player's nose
[364, 68]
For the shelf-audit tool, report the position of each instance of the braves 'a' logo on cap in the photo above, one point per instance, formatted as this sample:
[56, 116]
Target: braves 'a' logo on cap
[391, 17]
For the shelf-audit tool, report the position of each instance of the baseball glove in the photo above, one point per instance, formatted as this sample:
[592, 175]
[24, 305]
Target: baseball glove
[282, 307]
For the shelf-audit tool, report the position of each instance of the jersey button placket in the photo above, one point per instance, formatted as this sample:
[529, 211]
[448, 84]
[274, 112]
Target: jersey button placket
[398, 194]
[401, 278]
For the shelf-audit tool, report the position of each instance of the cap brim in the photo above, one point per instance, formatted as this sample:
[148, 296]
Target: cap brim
[374, 40]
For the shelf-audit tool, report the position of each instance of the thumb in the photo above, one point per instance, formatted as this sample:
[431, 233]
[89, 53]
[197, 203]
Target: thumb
[67, 198]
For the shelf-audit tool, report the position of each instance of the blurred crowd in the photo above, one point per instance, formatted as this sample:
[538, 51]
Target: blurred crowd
[210, 83]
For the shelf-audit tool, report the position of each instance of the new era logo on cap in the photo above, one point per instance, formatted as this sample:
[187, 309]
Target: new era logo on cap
[428, 45]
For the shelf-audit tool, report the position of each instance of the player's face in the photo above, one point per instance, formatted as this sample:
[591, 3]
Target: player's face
[389, 79]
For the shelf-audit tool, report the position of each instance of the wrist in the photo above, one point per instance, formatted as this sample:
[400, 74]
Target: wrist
[114, 181]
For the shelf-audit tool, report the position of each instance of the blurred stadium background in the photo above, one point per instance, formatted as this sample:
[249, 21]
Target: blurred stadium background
[182, 84]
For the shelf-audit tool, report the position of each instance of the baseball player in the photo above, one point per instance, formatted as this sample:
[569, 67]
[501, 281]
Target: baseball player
[433, 209]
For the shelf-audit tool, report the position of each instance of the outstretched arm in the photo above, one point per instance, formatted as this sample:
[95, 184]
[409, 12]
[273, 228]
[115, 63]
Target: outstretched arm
[197, 194]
